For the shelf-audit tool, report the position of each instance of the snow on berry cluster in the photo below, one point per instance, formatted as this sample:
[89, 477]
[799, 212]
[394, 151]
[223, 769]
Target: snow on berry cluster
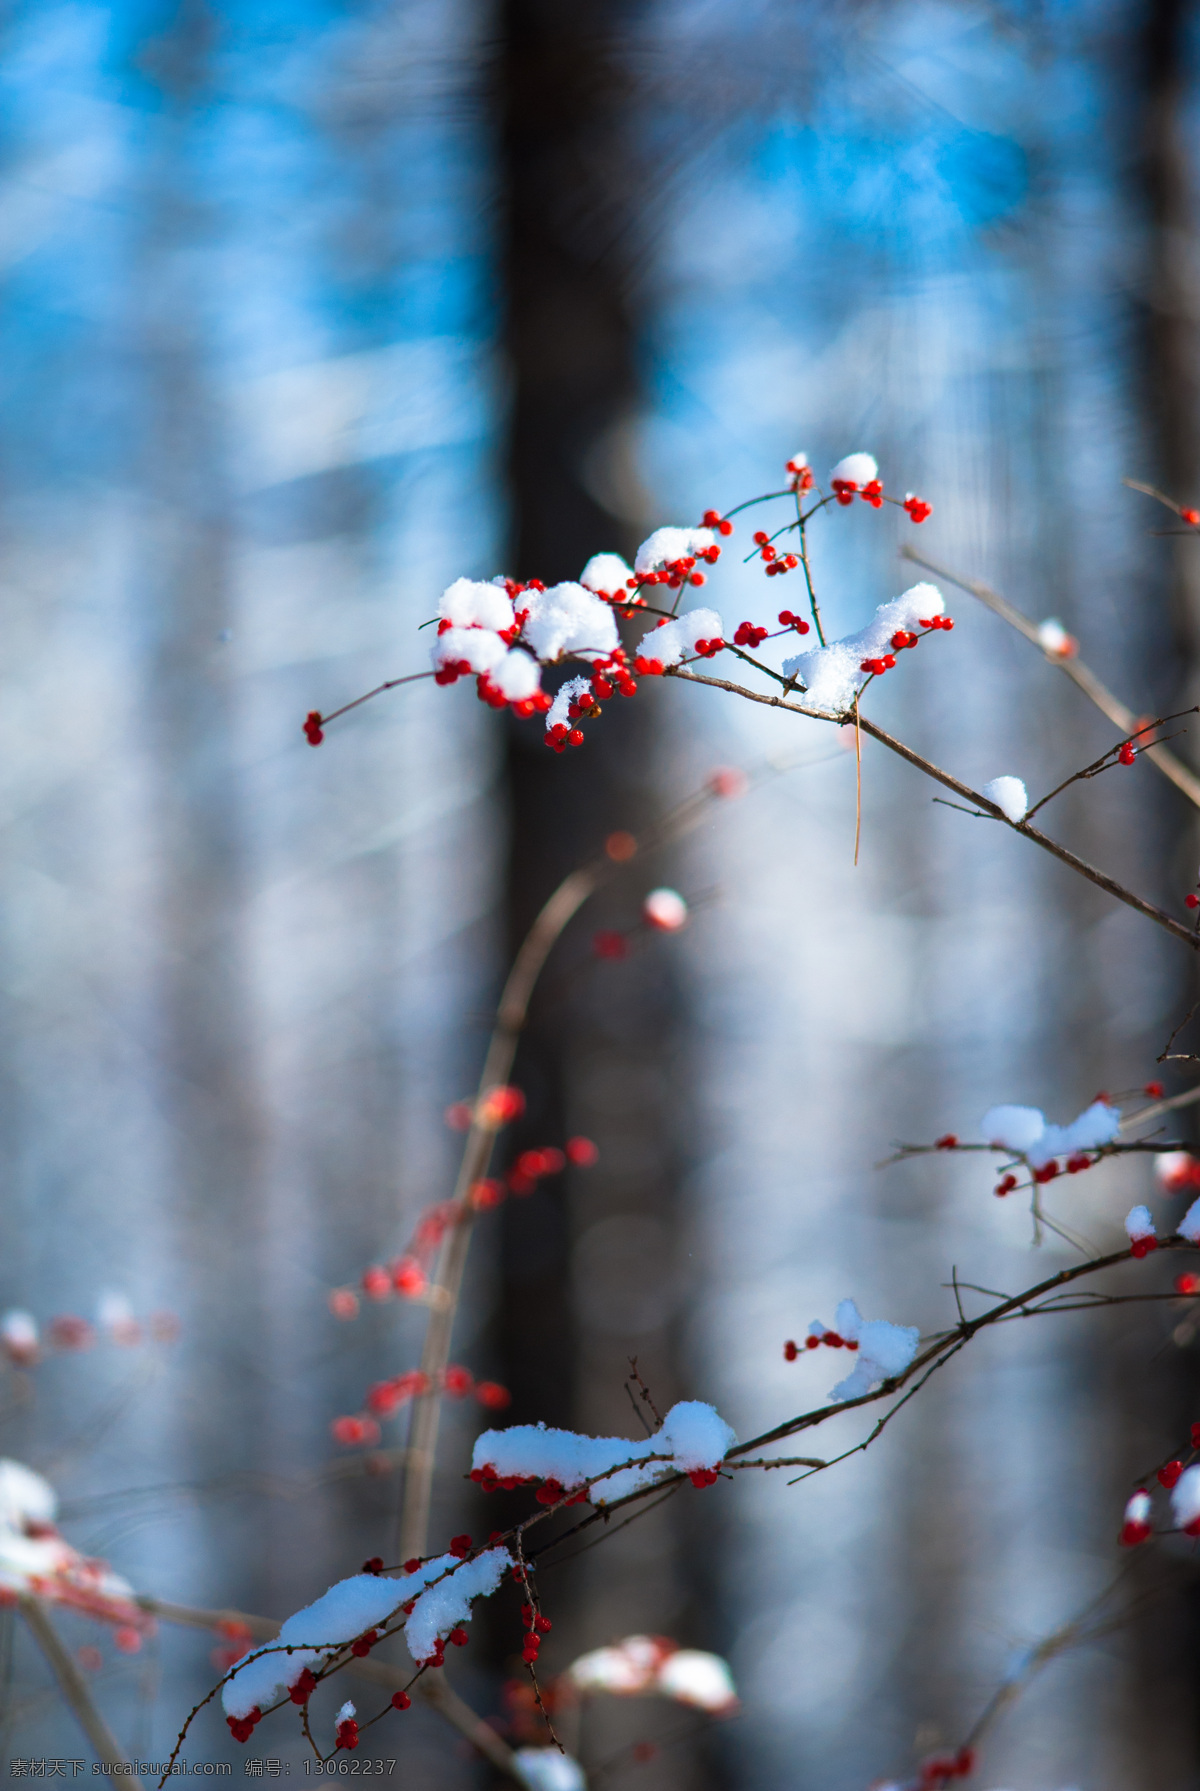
[503, 632]
[832, 676]
[883, 1350]
[1026, 1133]
[35, 1560]
[692, 1440]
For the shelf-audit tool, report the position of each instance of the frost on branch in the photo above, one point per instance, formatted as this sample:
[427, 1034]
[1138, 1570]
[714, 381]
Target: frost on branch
[347, 1610]
[1009, 796]
[568, 619]
[672, 641]
[608, 575]
[883, 1350]
[832, 676]
[545, 1769]
[442, 1607]
[666, 547]
[654, 1665]
[1023, 1130]
[693, 1438]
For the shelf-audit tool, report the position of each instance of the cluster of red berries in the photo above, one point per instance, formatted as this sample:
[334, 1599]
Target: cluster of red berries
[775, 561]
[610, 675]
[917, 508]
[747, 635]
[801, 475]
[942, 1769]
[1138, 1529]
[550, 1492]
[1127, 753]
[347, 1733]
[404, 1276]
[304, 1687]
[902, 639]
[788, 620]
[830, 1339]
[536, 1626]
[712, 519]
[1142, 1247]
[710, 649]
[242, 1727]
[704, 1477]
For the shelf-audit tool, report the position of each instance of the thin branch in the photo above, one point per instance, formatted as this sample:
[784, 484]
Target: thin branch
[1098, 877]
[75, 1690]
[1080, 675]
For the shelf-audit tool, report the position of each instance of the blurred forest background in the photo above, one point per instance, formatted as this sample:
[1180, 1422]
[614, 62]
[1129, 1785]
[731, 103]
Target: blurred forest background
[308, 308]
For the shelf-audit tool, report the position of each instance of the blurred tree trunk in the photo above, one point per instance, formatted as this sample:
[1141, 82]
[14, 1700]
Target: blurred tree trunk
[589, 1062]
[1165, 1693]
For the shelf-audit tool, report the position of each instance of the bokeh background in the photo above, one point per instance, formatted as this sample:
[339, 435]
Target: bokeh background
[308, 309]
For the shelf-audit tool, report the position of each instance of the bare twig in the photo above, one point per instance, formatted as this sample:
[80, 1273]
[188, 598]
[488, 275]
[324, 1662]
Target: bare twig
[75, 1690]
[1100, 878]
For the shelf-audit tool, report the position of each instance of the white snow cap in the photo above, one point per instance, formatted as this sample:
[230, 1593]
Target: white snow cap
[670, 641]
[665, 909]
[607, 573]
[1137, 1509]
[351, 1606]
[1189, 1225]
[1139, 1224]
[517, 676]
[653, 1664]
[346, 1714]
[559, 710]
[693, 1436]
[1009, 796]
[1172, 1170]
[545, 1769]
[468, 604]
[1185, 1497]
[477, 647]
[25, 1497]
[665, 546]
[1052, 636]
[1023, 1130]
[448, 1603]
[19, 1333]
[831, 675]
[855, 469]
[568, 619]
[884, 1350]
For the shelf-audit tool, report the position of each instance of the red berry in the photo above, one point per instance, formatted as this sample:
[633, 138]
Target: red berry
[1127, 755]
[1191, 517]
[1193, 901]
[1154, 1090]
[460, 1545]
[400, 1700]
[582, 1152]
[811, 1342]
[790, 1351]
[1168, 1475]
[948, 1141]
[313, 731]
[459, 1638]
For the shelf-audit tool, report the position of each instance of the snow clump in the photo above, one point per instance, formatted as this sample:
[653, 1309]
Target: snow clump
[1185, 1501]
[545, 1769]
[345, 1611]
[469, 604]
[665, 546]
[856, 470]
[884, 1350]
[654, 1665]
[567, 618]
[477, 648]
[517, 677]
[448, 1603]
[670, 641]
[1023, 1130]
[693, 1438]
[1189, 1225]
[607, 575]
[558, 713]
[1008, 794]
[831, 676]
